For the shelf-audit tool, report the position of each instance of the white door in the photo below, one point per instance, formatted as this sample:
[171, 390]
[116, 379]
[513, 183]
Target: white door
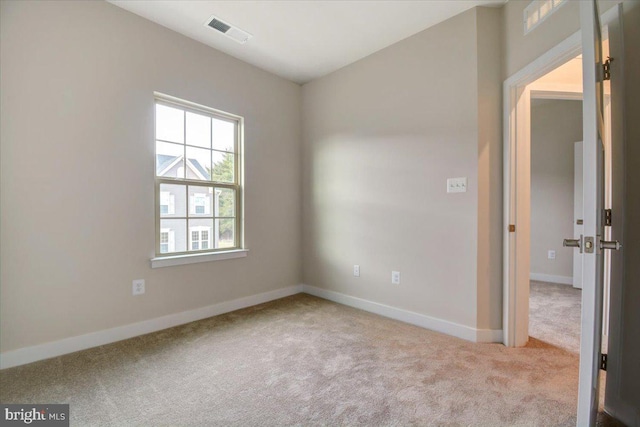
[593, 202]
[577, 212]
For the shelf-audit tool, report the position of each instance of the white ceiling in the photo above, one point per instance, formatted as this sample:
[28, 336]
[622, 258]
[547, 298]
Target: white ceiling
[302, 40]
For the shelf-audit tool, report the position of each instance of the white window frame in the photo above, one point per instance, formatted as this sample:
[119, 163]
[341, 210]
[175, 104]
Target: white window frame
[209, 254]
[540, 10]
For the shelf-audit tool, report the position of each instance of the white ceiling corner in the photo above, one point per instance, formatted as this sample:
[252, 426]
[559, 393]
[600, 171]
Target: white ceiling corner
[302, 40]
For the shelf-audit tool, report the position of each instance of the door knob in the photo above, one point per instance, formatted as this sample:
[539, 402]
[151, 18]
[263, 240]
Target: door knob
[573, 243]
[613, 245]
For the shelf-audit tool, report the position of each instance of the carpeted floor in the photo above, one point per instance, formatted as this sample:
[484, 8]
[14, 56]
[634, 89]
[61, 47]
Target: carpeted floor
[554, 314]
[302, 360]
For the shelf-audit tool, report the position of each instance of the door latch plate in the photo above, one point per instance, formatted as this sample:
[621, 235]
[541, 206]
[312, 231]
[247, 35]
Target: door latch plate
[588, 244]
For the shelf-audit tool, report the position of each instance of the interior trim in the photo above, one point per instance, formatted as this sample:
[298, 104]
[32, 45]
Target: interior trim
[432, 323]
[48, 350]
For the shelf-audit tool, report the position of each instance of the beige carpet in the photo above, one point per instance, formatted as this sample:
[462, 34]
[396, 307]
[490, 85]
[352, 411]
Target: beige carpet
[304, 361]
[554, 315]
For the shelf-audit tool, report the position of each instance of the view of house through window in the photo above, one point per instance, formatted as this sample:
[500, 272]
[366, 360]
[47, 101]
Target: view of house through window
[197, 185]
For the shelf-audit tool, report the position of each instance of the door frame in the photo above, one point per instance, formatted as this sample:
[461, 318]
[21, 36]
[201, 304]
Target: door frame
[517, 188]
[517, 180]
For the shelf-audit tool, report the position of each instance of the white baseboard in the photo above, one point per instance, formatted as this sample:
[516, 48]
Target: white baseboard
[82, 342]
[563, 280]
[427, 322]
[48, 350]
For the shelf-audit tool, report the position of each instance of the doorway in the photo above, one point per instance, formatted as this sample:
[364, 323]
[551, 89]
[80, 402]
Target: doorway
[518, 97]
[549, 193]
[556, 206]
[556, 147]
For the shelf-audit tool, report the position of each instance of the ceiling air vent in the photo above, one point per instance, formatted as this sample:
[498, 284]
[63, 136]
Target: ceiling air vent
[228, 30]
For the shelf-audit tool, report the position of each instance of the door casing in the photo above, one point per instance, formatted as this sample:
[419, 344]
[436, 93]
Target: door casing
[517, 94]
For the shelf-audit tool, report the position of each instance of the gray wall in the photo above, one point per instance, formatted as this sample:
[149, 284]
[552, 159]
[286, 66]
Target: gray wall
[489, 265]
[381, 137]
[555, 126]
[77, 126]
[630, 316]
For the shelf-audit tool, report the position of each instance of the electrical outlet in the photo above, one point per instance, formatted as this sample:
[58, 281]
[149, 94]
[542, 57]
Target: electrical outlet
[138, 287]
[356, 270]
[395, 277]
[551, 254]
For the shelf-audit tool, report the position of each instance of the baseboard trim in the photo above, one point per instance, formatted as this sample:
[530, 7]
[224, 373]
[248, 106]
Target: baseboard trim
[489, 335]
[48, 350]
[427, 322]
[562, 280]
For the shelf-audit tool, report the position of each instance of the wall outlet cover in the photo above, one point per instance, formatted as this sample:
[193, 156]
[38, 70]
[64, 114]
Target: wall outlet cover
[395, 277]
[138, 287]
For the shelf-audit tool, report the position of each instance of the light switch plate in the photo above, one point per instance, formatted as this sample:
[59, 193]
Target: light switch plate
[457, 185]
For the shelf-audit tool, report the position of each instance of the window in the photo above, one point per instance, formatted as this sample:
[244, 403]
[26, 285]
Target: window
[167, 203]
[167, 243]
[197, 173]
[199, 238]
[538, 11]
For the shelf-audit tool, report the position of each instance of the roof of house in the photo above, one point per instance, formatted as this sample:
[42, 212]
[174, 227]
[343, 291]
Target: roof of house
[164, 161]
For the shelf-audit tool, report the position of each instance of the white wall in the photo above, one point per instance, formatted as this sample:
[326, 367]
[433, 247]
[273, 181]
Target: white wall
[381, 137]
[77, 180]
[555, 126]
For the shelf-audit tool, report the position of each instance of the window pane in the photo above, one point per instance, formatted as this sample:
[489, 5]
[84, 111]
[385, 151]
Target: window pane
[176, 235]
[223, 167]
[200, 201]
[173, 200]
[225, 233]
[169, 124]
[198, 130]
[200, 233]
[545, 8]
[198, 164]
[224, 135]
[224, 203]
[169, 160]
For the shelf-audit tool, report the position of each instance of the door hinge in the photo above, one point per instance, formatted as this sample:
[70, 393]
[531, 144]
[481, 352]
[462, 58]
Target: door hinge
[512, 228]
[603, 362]
[607, 217]
[606, 69]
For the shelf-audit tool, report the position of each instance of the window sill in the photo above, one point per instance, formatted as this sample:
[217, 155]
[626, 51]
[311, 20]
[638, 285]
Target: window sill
[169, 261]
